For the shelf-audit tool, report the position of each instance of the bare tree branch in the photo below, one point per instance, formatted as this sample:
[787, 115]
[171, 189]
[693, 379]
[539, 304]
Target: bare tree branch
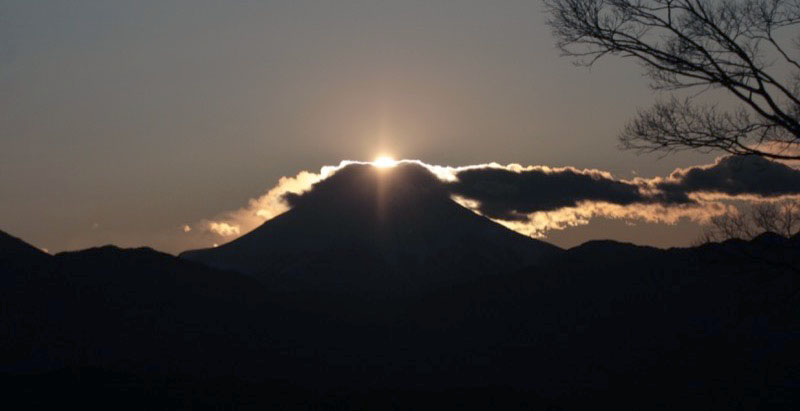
[702, 44]
[782, 218]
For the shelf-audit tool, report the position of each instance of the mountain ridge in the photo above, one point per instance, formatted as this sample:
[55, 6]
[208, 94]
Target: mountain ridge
[366, 220]
[604, 322]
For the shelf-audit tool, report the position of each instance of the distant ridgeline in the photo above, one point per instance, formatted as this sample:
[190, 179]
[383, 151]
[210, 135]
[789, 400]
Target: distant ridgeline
[360, 299]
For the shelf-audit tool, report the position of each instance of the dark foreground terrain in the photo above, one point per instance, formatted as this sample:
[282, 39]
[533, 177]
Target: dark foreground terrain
[716, 326]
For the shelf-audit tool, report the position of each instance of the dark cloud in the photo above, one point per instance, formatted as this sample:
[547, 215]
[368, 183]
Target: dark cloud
[735, 176]
[512, 195]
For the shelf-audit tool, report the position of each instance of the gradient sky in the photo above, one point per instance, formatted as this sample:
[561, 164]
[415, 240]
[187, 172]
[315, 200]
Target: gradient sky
[122, 121]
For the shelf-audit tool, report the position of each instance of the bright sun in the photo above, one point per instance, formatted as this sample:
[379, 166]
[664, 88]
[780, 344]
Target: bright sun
[384, 162]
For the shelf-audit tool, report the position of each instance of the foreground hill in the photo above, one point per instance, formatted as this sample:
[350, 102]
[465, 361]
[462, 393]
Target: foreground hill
[111, 307]
[716, 326]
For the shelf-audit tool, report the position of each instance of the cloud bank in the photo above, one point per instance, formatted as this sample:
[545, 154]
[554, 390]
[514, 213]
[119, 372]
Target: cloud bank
[750, 177]
[536, 199]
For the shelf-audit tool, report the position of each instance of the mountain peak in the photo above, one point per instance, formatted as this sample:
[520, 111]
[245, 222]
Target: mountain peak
[389, 224]
[768, 238]
[365, 186]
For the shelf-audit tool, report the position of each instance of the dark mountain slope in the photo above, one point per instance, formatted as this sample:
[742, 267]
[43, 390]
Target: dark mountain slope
[17, 256]
[12, 248]
[133, 309]
[373, 231]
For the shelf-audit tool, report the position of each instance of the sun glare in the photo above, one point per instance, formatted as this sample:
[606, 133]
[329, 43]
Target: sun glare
[384, 162]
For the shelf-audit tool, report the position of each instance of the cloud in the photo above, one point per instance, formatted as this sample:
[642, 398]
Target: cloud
[749, 176]
[223, 229]
[512, 193]
[781, 148]
[536, 199]
[539, 223]
[262, 208]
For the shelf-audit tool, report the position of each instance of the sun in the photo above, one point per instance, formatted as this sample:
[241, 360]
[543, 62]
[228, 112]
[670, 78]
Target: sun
[384, 162]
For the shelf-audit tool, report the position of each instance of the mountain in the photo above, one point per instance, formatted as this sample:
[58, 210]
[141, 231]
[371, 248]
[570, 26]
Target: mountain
[712, 326]
[19, 256]
[12, 249]
[22, 266]
[375, 231]
[128, 309]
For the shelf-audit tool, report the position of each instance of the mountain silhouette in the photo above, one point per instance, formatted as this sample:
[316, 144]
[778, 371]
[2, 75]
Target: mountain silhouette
[375, 231]
[17, 256]
[13, 249]
[109, 305]
[602, 323]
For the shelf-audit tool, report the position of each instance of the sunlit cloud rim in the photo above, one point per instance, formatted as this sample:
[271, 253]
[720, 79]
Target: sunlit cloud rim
[649, 201]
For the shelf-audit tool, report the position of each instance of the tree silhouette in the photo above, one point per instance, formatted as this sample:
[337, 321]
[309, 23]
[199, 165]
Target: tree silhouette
[733, 45]
[782, 218]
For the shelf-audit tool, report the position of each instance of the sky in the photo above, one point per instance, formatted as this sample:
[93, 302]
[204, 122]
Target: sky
[139, 123]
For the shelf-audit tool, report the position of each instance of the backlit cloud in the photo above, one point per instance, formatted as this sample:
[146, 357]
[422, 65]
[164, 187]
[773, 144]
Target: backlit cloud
[536, 199]
[232, 224]
[512, 193]
[749, 176]
[224, 229]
